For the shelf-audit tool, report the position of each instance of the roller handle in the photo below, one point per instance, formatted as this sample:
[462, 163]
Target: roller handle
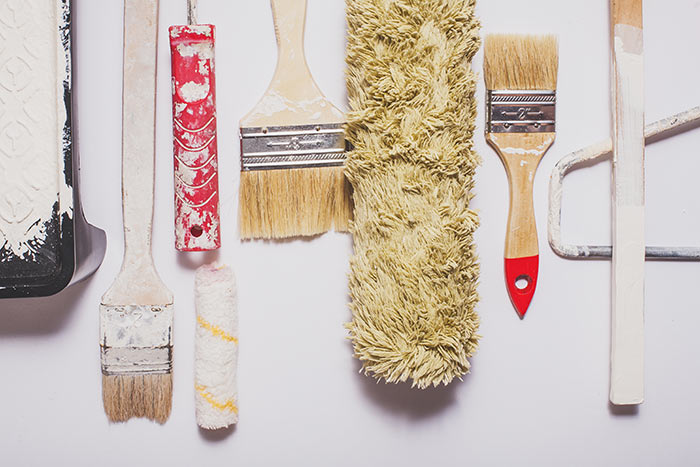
[521, 154]
[197, 223]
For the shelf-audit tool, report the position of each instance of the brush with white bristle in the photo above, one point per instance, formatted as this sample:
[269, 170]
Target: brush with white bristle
[216, 347]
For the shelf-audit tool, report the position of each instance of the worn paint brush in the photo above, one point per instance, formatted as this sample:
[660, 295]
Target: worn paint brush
[136, 313]
[292, 147]
[521, 81]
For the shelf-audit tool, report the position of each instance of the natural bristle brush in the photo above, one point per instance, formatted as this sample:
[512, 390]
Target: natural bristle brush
[521, 81]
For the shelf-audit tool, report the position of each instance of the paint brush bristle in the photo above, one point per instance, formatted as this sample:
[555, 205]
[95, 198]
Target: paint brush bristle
[148, 396]
[520, 62]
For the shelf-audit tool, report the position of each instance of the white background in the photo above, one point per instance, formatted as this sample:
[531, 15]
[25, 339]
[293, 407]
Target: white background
[537, 394]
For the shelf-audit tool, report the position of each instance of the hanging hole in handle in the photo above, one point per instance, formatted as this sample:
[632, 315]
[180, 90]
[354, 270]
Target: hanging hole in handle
[522, 282]
[196, 231]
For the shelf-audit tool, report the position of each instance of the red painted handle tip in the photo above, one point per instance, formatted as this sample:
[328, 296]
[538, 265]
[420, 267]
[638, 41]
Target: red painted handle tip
[521, 280]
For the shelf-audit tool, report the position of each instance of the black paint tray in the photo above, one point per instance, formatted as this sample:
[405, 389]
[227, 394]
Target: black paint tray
[45, 242]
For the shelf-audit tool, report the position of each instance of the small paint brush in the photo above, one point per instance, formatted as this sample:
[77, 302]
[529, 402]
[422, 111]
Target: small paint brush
[521, 81]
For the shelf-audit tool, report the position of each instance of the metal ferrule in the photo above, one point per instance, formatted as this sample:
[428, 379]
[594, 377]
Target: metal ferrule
[289, 147]
[520, 111]
[136, 339]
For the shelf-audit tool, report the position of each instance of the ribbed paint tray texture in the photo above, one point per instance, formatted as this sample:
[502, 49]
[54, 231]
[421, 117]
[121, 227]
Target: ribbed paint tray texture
[45, 242]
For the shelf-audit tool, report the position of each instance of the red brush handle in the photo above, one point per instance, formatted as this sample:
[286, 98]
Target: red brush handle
[195, 146]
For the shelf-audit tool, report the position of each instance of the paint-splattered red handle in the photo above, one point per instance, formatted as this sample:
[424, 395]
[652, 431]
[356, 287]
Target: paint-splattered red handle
[195, 145]
[521, 280]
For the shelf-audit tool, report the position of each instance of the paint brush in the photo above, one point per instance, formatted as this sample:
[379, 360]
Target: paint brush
[136, 313]
[627, 330]
[197, 226]
[292, 147]
[521, 80]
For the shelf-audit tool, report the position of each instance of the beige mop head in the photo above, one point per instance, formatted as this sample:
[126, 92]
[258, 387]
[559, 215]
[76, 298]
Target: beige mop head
[414, 272]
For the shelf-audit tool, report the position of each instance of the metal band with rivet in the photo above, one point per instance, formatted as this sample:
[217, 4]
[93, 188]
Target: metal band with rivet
[294, 146]
[520, 111]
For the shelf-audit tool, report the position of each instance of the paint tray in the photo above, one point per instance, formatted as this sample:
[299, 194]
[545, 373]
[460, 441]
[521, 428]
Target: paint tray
[45, 242]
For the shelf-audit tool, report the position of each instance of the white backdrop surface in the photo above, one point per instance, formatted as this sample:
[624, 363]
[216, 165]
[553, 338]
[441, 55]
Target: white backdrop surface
[537, 394]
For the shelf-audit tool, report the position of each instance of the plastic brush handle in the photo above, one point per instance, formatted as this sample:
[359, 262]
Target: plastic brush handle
[521, 154]
[195, 141]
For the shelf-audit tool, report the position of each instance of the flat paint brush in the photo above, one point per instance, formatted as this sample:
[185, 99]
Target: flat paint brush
[136, 313]
[292, 147]
[627, 329]
[521, 81]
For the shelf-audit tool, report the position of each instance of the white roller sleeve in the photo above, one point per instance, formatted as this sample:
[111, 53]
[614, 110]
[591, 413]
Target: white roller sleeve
[216, 347]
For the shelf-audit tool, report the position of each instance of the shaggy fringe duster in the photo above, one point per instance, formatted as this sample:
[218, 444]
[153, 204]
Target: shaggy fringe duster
[414, 271]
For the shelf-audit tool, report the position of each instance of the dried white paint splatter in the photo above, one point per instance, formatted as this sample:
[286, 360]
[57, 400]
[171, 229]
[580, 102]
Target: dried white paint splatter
[32, 125]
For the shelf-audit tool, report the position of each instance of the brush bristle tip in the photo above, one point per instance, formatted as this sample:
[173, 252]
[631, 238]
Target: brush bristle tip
[521, 62]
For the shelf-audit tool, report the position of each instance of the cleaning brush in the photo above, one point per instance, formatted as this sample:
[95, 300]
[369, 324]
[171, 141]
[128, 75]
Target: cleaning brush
[414, 271]
[521, 82]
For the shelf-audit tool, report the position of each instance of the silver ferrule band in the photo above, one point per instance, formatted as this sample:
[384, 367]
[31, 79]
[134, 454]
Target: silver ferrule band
[296, 146]
[132, 361]
[520, 111]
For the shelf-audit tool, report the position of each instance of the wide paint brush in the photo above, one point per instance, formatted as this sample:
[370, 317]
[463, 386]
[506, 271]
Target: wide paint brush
[292, 147]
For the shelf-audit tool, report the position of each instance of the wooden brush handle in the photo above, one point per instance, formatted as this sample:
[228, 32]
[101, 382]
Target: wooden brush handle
[138, 124]
[195, 138]
[292, 76]
[521, 154]
[290, 20]
[627, 12]
[293, 98]
[138, 282]
[627, 328]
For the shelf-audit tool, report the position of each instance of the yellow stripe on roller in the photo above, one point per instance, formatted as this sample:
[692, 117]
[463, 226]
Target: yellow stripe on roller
[216, 330]
[229, 406]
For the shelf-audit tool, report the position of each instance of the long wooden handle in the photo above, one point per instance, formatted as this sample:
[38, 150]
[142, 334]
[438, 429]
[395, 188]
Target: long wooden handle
[521, 154]
[195, 138]
[138, 282]
[290, 20]
[293, 97]
[292, 76]
[627, 336]
[627, 12]
[138, 124]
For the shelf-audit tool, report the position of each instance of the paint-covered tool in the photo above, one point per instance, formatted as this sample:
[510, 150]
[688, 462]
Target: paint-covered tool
[45, 242]
[292, 146]
[521, 81]
[600, 152]
[414, 272]
[627, 344]
[136, 313]
[197, 226]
